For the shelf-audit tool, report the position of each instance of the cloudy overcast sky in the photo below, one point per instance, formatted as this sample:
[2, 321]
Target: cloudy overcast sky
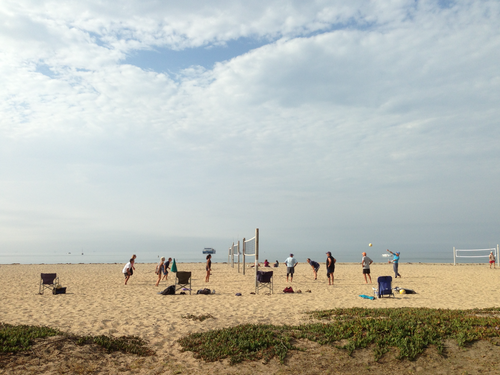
[326, 124]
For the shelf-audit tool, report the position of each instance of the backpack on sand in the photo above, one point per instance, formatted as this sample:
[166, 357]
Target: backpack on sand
[169, 290]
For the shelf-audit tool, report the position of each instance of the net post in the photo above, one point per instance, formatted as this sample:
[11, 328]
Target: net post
[454, 256]
[498, 253]
[232, 255]
[256, 256]
[238, 256]
[244, 255]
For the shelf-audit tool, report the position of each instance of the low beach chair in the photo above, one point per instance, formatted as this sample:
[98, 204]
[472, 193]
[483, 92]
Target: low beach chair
[183, 280]
[384, 287]
[264, 281]
[48, 281]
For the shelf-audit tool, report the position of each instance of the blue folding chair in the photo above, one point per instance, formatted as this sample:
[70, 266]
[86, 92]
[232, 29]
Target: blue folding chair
[384, 287]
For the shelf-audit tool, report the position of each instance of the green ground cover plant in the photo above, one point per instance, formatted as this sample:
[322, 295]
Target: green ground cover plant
[20, 338]
[14, 339]
[410, 330]
[199, 318]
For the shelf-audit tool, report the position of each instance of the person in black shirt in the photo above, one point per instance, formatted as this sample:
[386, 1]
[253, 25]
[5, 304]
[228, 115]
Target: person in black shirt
[330, 267]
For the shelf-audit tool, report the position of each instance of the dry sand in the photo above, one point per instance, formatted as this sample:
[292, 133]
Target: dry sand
[98, 302]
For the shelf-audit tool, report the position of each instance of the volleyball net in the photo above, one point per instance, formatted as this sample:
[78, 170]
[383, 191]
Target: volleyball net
[234, 249]
[476, 253]
[249, 248]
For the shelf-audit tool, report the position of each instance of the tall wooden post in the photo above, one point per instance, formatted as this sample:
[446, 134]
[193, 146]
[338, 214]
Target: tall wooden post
[256, 255]
[244, 255]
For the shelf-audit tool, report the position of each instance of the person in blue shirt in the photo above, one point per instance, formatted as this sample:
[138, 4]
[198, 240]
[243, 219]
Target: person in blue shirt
[395, 263]
[315, 267]
[290, 262]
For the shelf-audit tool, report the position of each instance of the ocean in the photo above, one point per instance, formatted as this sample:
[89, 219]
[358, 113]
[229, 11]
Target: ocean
[408, 254]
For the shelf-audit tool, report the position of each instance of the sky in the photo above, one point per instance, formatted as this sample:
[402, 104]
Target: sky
[167, 126]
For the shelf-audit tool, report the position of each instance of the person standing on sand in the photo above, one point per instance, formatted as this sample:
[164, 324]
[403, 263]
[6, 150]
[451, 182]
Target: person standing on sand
[365, 263]
[133, 265]
[208, 267]
[330, 267]
[159, 270]
[128, 270]
[290, 262]
[315, 267]
[166, 267]
[395, 263]
[492, 259]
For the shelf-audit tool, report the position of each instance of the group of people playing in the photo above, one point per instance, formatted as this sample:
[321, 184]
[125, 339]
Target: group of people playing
[162, 269]
[291, 263]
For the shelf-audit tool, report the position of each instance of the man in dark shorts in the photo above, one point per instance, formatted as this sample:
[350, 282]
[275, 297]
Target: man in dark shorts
[330, 267]
[290, 262]
[365, 263]
[166, 267]
[315, 267]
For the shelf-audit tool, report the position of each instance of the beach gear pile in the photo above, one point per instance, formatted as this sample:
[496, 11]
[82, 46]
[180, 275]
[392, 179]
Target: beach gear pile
[168, 291]
[399, 290]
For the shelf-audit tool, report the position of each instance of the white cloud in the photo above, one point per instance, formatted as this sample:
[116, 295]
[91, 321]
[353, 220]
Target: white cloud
[391, 106]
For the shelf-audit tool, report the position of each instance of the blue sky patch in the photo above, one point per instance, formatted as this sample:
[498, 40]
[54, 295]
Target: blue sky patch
[168, 60]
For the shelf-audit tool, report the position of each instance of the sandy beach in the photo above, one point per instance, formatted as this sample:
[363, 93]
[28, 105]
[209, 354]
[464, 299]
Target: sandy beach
[98, 302]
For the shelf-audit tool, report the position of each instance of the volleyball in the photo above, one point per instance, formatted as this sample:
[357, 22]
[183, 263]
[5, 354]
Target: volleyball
[402, 291]
[370, 245]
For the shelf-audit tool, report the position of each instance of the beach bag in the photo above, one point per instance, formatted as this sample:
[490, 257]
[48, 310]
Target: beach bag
[59, 290]
[169, 290]
[288, 289]
[204, 291]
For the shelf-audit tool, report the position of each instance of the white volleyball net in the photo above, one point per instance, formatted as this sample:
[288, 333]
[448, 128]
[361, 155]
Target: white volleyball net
[475, 253]
[234, 252]
[249, 248]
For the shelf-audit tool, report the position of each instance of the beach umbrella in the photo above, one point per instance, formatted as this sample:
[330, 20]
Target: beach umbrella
[174, 267]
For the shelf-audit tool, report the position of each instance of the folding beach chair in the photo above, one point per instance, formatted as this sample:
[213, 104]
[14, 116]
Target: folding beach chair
[384, 287]
[264, 281]
[183, 280]
[48, 281]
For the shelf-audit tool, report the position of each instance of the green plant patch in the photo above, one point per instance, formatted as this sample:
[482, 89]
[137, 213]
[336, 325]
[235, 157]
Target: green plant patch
[199, 318]
[20, 338]
[243, 342]
[410, 330]
[125, 344]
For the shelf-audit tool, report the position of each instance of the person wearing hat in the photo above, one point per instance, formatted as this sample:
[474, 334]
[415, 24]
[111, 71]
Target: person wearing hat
[492, 259]
[395, 263]
[290, 262]
[365, 263]
[330, 267]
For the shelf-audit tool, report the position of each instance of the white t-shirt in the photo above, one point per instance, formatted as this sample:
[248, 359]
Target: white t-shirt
[127, 267]
[290, 262]
[367, 262]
